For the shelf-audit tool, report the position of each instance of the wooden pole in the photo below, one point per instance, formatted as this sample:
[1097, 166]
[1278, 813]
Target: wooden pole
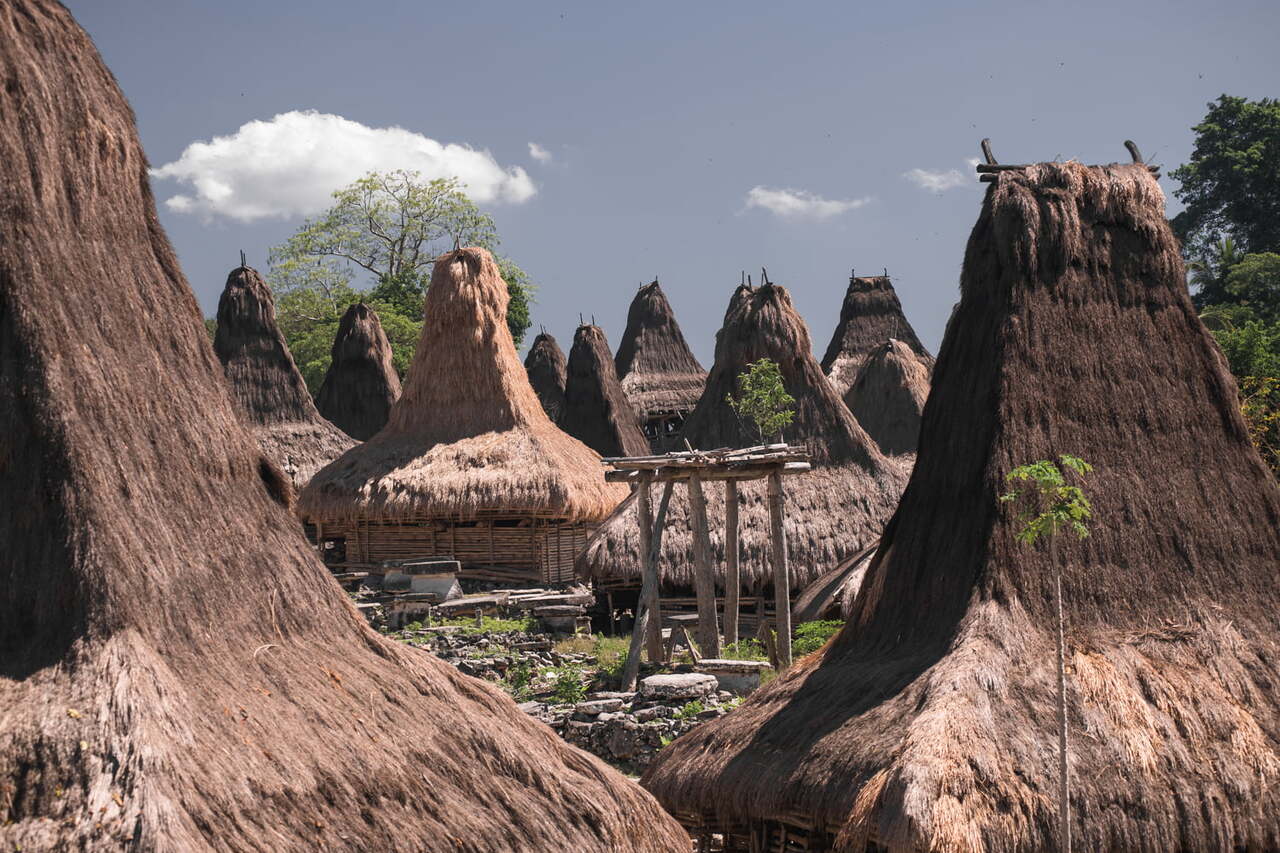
[648, 581]
[704, 581]
[653, 638]
[781, 579]
[732, 581]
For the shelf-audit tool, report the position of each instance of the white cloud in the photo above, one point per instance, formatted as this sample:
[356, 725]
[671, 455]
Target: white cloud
[799, 204]
[936, 181]
[539, 153]
[290, 165]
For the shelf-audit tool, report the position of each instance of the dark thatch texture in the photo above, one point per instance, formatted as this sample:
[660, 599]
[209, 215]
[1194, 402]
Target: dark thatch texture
[836, 509]
[266, 384]
[929, 722]
[869, 316]
[545, 366]
[657, 370]
[468, 434]
[596, 412]
[177, 671]
[888, 396]
[361, 384]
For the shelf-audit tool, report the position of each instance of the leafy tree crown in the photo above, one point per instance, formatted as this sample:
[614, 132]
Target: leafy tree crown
[763, 399]
[1049, 503]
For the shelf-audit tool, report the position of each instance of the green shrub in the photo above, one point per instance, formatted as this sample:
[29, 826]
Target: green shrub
[519, 679]
[811, 636]
[690, 710]
[490, 624]
[566, 686]
[746, 649]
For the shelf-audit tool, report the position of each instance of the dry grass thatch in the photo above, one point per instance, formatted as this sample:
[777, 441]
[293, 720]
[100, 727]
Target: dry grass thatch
[870, 315]
[596, 412]
[659, 373]
[837, 508]
[266, 384]
[468, 432]
[888, 396]
[545, 366]
[361, 384]
[929, 722]
[177, 670]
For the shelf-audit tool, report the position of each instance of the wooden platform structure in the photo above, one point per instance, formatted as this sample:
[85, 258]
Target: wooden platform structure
[693, 468]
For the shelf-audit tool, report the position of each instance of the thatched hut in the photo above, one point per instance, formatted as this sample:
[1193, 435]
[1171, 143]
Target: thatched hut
[870, 315]
[596, 412]
[929, 722]
[469, 465]
[835, 509]
[265, 383]
[888, 396]
[361, 384]
[177, 670]
[658, 371]
[545, 366]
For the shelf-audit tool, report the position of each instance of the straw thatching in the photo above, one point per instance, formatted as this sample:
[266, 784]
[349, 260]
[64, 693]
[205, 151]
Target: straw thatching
[545, 366]
[659, 373]
[361, 384]
[596, 412]
[177, 670]
[888, 396]
[266, 384]
[468, 465]
[870, 315]
[929, 722]
[831, 511]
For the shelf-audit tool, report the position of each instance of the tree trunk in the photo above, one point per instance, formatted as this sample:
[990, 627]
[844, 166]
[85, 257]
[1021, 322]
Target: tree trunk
[1064, 796]
[648, 581]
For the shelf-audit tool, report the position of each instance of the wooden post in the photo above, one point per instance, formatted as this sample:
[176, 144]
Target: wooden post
[704, 581]
[648, 581]
[781, 579]
[648, 593]
[732, 582]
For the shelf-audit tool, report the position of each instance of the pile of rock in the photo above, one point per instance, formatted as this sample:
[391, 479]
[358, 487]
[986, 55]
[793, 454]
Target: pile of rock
[491, 655]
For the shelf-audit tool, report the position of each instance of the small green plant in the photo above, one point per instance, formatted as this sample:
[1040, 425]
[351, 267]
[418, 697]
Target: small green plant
[519, 679]
[490, 624]
[747, 649]
[811, 636]
[567, 687]
[763, 399]
[665, 740]
[690, 710]
[412, 626]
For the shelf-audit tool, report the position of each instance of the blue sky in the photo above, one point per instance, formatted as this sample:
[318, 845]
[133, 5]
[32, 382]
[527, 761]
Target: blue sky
[661, 118]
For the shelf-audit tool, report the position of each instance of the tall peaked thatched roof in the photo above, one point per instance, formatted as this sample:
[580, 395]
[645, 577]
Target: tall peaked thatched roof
[361, 384]
[266, 384]
[658, 371]
[177, 670]
[545, 366]
[929, 722]
[870, 315]
[595, 409]
[468, 432]
[833, 510]
[888, 396]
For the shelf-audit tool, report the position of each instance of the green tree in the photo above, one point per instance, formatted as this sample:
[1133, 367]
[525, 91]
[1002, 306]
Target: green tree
[1231, 186]
[763, 399]
[1051, 505]
[1209, 273]
[1254, 282]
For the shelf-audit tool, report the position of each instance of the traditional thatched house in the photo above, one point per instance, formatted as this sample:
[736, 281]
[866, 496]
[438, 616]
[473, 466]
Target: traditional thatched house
[361, 384]
[596, 412]
[658, 372]
[870, 315]
[266, 384]
[835, 509]
[929, 722]
[545, 366]
[888, 396]
[177, 670]
[469, 465]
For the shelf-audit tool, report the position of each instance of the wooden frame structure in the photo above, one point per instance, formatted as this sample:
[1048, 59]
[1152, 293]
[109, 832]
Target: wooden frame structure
[693, 468]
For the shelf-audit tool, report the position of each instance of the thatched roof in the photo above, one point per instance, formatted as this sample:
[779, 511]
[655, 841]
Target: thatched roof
[656, 367]
[595, 410]
[468, 432]
[545, 366]
[361, 384]
[888, 396]
[929, 722]
[177, 670]
[869, 316]
[835, 509]
[266, 384]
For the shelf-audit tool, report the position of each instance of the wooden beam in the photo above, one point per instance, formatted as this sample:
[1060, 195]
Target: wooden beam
[648, 581]
[732, 581]
[644, 505]
[781, 577]
[704, 580]
[752, 472]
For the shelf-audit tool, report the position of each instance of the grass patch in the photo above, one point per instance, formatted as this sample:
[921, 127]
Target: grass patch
[747, 649]
[811, 636]
[690, 710]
